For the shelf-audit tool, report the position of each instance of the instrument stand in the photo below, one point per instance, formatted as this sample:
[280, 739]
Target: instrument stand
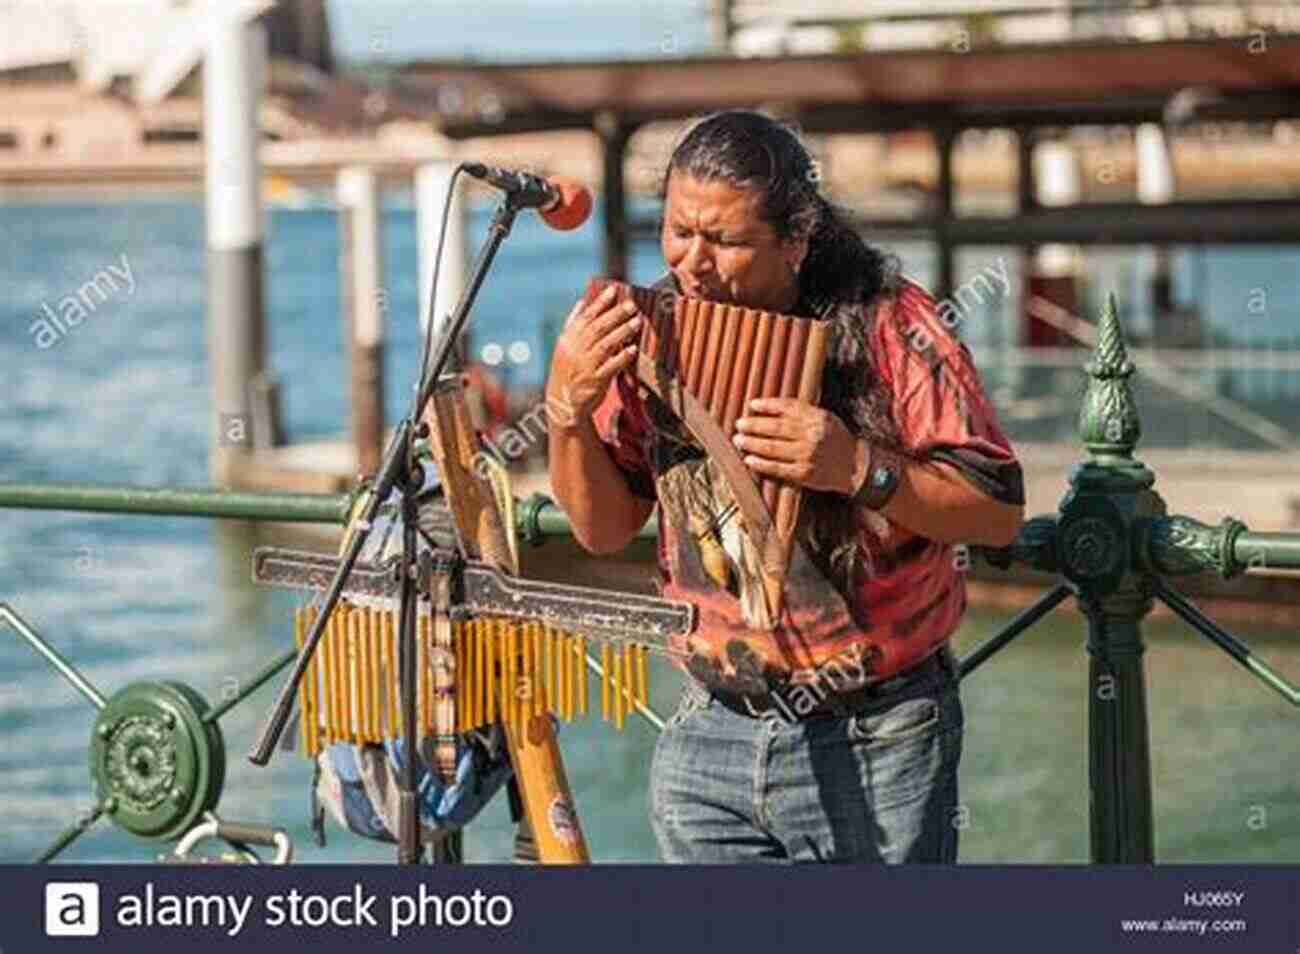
[399, 471]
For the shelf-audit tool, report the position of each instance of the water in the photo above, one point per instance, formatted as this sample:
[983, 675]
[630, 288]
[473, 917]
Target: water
[122, 397]
[504, 30]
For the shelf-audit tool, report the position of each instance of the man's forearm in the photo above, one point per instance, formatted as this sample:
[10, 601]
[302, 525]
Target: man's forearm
[935, 501]
[602, 510]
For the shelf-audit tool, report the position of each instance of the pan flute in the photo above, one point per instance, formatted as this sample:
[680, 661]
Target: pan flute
[503, 669]
[722, 356]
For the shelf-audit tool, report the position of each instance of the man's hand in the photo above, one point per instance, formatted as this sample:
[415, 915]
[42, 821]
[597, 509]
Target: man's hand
[599, 340]
[798, 442]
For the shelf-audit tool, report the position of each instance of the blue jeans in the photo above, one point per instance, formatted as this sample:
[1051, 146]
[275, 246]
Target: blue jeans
[879, 785]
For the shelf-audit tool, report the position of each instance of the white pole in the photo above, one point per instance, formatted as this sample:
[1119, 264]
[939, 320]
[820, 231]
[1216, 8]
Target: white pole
[361, 268]
[233, 80]
[1156, 186]
[1056, 174]
[431, 182]
[1155, 169]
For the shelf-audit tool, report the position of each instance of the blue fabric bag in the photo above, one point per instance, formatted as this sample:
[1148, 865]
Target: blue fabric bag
[358, 784]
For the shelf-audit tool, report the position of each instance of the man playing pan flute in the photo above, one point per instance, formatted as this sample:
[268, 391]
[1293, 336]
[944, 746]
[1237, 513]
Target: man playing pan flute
[834, 735]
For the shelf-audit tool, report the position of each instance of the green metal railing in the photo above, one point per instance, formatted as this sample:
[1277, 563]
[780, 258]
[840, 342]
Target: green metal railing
[536, 517]
[174, 502]
[157, 753]
[1112, 544]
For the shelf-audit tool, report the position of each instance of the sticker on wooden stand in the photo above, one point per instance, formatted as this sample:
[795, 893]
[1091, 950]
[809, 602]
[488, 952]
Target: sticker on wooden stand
[563, 820]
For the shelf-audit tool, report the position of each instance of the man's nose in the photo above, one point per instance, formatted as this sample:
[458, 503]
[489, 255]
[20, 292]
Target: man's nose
[697, 260]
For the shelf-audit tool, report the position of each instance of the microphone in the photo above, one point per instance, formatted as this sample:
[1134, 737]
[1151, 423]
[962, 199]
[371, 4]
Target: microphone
[563, 203]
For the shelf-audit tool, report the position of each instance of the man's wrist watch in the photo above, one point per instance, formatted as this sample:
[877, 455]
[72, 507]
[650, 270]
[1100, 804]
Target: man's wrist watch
[880, 481]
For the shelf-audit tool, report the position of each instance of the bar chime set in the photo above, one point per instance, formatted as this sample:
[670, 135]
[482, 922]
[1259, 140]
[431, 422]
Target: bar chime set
[504, 670]
[495, 647]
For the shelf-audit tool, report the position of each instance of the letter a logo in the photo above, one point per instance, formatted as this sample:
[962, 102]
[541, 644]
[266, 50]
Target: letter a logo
[72, 909]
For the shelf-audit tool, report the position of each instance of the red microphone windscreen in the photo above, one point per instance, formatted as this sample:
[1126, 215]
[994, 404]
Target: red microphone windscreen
[574, 207]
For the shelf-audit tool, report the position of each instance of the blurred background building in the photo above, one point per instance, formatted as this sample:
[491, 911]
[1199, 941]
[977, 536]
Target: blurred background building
[1146, 149]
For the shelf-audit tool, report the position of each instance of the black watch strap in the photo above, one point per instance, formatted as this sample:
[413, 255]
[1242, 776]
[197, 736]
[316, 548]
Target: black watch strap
[884, 469]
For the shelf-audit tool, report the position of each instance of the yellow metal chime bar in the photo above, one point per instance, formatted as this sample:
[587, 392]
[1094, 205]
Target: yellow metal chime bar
[504, 669]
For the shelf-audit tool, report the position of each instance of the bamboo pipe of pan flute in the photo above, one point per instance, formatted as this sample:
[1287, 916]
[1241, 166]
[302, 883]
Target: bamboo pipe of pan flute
[738, 379]
[717, 325]
[682, 339]
[791, 380]
[773, 374]
[720, 395]
[758, 366]
[699, 344]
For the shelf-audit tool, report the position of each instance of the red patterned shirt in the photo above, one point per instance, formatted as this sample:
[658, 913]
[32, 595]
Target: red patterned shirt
[914, 596]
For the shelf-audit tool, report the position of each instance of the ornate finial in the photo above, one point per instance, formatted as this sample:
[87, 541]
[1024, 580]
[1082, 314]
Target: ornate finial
[1108, 421]
[1111, 358]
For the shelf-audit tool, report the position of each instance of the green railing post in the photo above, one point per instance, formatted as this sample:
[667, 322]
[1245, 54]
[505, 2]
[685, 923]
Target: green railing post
[1110, 497]
[1114, 543]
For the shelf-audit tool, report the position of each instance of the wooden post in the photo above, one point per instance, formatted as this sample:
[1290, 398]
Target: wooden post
[361, 273]
[722, 23]
[944, 138]
[614, 135]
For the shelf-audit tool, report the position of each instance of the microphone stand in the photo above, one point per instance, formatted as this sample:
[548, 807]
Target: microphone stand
[398, 470]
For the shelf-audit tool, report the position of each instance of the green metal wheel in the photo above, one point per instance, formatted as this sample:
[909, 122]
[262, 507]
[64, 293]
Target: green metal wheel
[156, 763]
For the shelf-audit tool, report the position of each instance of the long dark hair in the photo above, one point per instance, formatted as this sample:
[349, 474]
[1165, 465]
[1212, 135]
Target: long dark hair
[748, 150]
[840, 274]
